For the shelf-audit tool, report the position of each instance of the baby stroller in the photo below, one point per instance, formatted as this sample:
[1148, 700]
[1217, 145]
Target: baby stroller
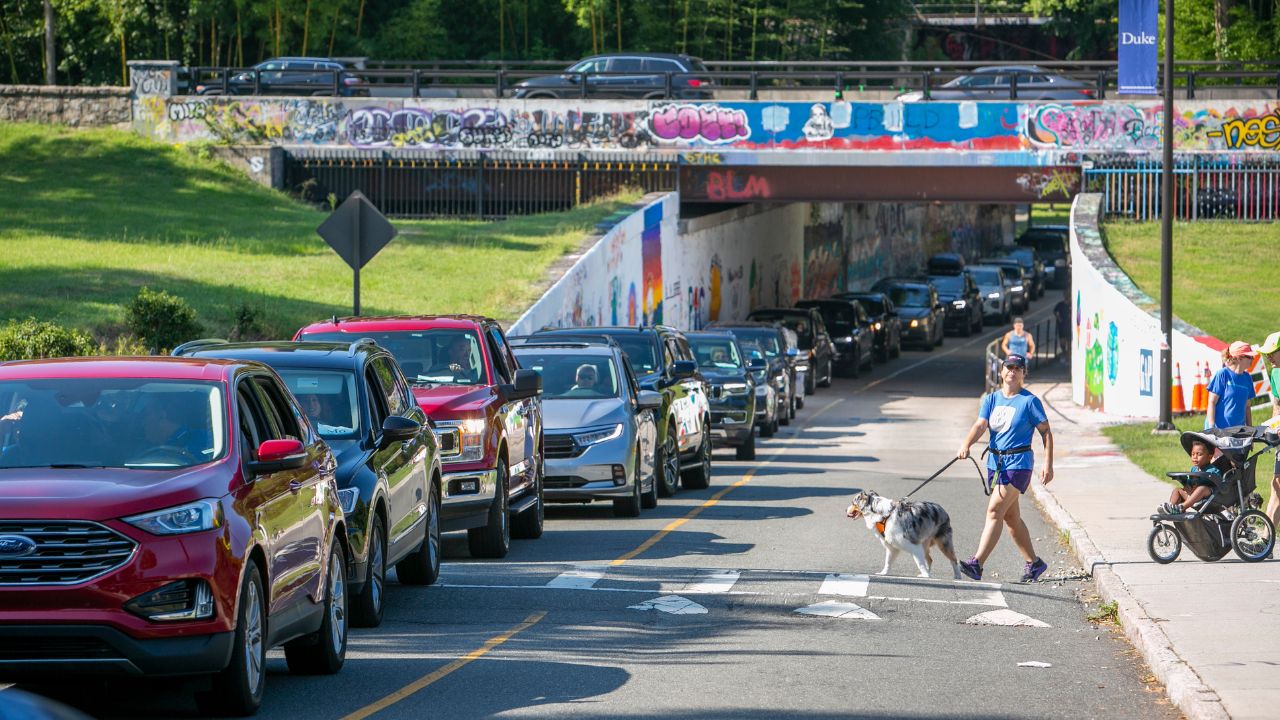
[1229, 518]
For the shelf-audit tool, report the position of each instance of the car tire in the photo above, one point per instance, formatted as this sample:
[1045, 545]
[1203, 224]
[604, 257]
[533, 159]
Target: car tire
[747, 450]
[528, 525]
[630, 505]
[494, 539]
[799, 405]
[238, 689]
[648, 500]
[367, 608]
[422, 566]
[324, 651]
[699, 476]
[668, 461]
[826, 379]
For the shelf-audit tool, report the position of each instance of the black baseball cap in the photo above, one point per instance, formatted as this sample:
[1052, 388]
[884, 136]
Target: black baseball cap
[1017, 361]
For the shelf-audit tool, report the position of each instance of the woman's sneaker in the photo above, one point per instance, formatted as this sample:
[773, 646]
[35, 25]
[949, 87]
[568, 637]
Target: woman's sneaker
[1034, 570]
[971, 568]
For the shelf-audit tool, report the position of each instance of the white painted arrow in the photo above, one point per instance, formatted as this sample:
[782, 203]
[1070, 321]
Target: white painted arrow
[1006, 618]
[673, 604]
[837, 609]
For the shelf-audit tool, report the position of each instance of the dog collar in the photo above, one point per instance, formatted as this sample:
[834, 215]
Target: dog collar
[880, 527]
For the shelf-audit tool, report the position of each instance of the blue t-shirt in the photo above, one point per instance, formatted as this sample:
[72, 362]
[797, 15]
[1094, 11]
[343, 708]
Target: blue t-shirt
[1234, 391]
[1012, 422]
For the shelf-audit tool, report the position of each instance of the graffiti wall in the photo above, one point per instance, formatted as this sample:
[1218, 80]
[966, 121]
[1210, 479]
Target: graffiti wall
[1115, 338]
[649, 269]
[1035, 132]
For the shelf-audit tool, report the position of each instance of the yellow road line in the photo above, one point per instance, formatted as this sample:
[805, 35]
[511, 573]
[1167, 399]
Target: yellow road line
[695, 512]
[426, 680]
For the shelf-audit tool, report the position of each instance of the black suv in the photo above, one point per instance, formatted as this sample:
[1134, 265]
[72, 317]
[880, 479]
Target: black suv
[662, 360]
[817, 352]
[1052, 242]
[772, 341]
[287, 76]
[624, 75]
[851, 333]
[962, 301]
[884, 321]
[388, 464]
[1029, 258]
[918, 307]
[732, 384]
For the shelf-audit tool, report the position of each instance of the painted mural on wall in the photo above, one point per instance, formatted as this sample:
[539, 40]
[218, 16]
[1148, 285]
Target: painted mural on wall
[708, 127]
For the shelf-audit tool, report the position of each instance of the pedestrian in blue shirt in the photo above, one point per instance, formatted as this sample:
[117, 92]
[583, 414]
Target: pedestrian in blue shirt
[1012, 415]
[1231, 389]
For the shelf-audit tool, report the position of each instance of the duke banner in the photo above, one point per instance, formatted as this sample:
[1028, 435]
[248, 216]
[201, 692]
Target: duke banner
[1138, 50]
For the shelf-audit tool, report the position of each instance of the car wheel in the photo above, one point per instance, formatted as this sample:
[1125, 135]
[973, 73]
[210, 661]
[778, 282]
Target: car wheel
[367, 609]
[799, 405]
[494, 539]
[811, 381]
[699, 476]
[747, 450]
[324, 651]
[630, 506]
[826, 378]
[238, 688]
[528, 525]
[422, 567]
[648, 500]
[668, 461]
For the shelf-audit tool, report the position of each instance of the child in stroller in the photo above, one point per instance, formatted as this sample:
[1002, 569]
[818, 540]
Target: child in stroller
[1227, 517]
[1197, 487]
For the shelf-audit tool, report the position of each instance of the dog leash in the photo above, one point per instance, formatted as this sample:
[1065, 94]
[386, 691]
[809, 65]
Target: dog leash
[986, 489]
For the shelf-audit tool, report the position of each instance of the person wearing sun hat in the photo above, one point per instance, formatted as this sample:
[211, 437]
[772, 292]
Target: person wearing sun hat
[1270, 352]
[1231, 389]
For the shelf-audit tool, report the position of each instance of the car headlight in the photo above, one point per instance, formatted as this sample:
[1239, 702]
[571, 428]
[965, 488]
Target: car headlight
[734, 388]
[597, 435]
[802, 367]
[915, 323]
[879, 326]
[1016, 288]
[960, 304]
[471, 438]
[993, 296]
[193, 517]
[347, 497]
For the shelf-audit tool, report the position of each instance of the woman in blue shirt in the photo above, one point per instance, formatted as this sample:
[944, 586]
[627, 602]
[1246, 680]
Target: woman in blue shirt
[1231, 389]
[1012, 415]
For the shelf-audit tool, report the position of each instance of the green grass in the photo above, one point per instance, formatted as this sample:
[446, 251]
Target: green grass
[89, 216]
[1051, 214]
[1159, 454]
[1224, 273]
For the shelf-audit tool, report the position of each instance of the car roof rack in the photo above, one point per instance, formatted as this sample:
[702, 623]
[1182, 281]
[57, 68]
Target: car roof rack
[193, 345]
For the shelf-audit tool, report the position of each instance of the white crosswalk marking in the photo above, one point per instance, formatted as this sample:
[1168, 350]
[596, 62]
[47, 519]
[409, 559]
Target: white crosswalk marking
[711, 581]
[672, 604]
[847, 585]
[582, 578]
[837, 609]
[1006, 618]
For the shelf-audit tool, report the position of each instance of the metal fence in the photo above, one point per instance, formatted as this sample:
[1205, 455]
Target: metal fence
[1243, 187]
[477, 185]
[1045, 335]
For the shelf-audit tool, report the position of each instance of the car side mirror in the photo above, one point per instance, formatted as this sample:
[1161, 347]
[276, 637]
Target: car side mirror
[277, 456]
[648, 400]
[398, 429]
[683, 369]
[528, 383]
[756, 364]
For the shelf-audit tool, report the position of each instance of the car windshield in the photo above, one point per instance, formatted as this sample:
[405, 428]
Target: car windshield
[640, 351]
[1023, 255]
[441, 356]
[328, 398]
[716, 353]
[799, 324]
[839, 319]
[766, 340]
[985, 276]
[912, 296]
[873, 307]
[948, 283]
[572, 376]
[111, 422]
[1012, 275]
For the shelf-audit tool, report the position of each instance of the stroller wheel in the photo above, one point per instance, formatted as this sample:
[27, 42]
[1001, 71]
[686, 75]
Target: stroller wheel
[1252, 536]
[1164, 544]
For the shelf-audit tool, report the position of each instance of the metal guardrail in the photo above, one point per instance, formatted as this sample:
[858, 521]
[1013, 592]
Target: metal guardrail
[1097, 79]
[1244, 187]
[1045, 334]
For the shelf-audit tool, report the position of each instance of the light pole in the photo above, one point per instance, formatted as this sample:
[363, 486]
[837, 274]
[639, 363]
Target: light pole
[1166, 233]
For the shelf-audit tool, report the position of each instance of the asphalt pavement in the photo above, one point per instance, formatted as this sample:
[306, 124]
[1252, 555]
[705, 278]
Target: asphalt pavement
[754, 598]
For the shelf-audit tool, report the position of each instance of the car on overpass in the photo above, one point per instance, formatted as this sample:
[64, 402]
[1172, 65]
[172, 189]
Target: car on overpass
[624, 75]
[884, 322]
[598, 423]
[851, 333]
[919, 308]
[388, 472]
[166, 516]
[996, 82]
[287, 76]
[486, 411]
[1051, 242]
[817, 353]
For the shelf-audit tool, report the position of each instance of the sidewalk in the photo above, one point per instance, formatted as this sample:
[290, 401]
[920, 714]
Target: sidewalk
[1209, 631]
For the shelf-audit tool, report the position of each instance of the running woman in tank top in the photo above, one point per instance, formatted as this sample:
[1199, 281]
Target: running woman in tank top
[1018, 341]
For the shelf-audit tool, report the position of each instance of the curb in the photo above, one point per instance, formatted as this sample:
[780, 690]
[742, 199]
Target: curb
[1183, 686]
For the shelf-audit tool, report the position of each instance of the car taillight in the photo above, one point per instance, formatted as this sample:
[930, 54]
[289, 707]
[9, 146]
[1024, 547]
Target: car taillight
[1087, 93]
[695, 82]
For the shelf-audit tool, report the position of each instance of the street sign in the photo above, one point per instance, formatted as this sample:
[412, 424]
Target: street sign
[356, 231]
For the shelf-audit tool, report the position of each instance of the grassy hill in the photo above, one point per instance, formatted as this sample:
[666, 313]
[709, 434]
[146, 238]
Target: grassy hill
[89, 216]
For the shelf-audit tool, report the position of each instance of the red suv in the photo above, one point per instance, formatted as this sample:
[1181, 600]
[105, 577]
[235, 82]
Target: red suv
[486, 412]
[165, 516]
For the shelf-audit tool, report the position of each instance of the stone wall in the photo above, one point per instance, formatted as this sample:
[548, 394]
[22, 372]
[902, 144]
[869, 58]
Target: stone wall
[73, 106]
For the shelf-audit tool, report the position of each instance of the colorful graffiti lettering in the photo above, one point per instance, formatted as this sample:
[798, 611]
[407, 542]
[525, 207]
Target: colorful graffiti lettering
[1097, 127]
[708, 123]
[1255, 132]
[1053, 183]
[729, 185]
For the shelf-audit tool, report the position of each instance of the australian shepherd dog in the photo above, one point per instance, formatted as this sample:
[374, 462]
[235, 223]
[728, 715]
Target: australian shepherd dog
[904, 525]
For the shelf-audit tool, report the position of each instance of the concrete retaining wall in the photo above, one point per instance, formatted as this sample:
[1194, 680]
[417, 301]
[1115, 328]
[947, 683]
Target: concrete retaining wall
[73, 106]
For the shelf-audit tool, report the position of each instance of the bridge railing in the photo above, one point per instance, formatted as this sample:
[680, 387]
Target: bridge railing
[726, 80]
[1043, 332]
[1243, 187]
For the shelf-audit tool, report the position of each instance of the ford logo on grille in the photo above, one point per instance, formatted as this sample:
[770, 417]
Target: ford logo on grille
[15, 546]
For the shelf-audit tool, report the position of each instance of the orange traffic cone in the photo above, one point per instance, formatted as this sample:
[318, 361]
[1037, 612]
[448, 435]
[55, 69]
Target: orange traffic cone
[1199, 394]
[1179, 400]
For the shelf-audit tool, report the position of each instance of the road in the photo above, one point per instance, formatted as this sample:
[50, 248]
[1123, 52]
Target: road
[566, 626]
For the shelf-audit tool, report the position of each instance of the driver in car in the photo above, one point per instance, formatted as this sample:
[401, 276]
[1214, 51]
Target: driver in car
[162, 427]
[321, 417]
[458, 360]
[584, 382]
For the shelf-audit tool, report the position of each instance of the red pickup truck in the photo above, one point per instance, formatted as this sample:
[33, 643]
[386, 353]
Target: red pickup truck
[486, 412]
